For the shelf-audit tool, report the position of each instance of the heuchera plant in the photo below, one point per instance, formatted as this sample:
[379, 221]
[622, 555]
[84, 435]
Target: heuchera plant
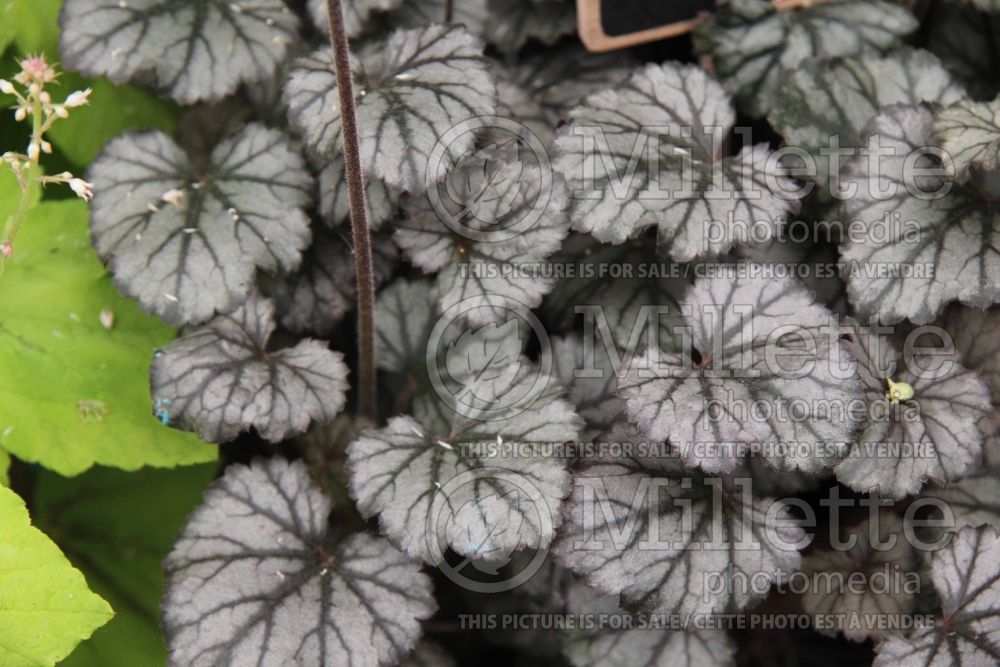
[407, 332]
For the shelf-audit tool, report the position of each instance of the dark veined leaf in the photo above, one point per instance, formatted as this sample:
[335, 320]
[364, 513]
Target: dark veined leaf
[623, 289]
[808, 250]
[259, 577]
[185, 240]
[973, 333]
[827, 101]
[764, 371]
[963, 38]
[926, 241]
[560, 78]
[650, 152]
[505, 24]
[516, 102]
[969, 132]
[933, 434]
[754, 46]
[190, 49]
[221, 379]
[669, 540]
[47, 608]
[860, 611]
[641, 647]
[315, 298]
[478, 480]
[404, 317]
[487, 230]
[414, 87]
[591, 381]
[975, 499]
[966, 575]
[334, 207]
[357, 14]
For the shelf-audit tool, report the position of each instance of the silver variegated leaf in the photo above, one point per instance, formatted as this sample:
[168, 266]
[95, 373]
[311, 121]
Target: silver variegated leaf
[827, 101]
[487, 231]
[482, 484]
[404, 317]
[670, 541]
[969, 132]
[973, 333]
[357, 14]
[926, 241]
[221, 379]
[650, 152]
[651, 648]
[620, 290]
[186, 241]
[561, 78]
[763, 371]
[975, 499]
[505, 24]
[258, 577]
[932, 435]
[193, 50]
[589, 373]
[863, 608]
[516, 102]
[966, 575]
[414, 86]
[334, 207]
[315, 298]
[754, 46]
[639, 647]
[808, 249]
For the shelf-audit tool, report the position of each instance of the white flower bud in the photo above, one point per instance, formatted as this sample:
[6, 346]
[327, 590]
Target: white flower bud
[45, 97]
[6, 87]
[61, 112]
[78, 98]
[33, 151]
[20, 114]
[46, 147]
[82, 188]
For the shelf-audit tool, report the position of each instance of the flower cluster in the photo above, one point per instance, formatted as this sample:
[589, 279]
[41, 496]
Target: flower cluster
[35, 103]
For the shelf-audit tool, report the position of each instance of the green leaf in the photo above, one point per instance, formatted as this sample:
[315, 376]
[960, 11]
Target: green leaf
[121, 556]
[45, 605]
[112, 110]
[94, 408]
[4, 468]
[34, 25]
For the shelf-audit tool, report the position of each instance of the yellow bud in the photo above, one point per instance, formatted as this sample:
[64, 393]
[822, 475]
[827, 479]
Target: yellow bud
[898, 391]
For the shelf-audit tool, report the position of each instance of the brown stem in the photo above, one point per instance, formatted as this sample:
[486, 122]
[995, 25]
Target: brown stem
[359, 212]
[449, 10]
